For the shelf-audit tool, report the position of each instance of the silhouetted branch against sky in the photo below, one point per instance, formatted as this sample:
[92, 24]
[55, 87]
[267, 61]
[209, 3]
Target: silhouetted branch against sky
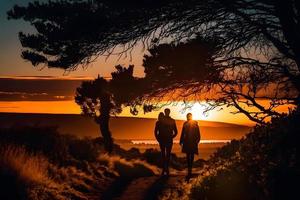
[254, 37]
[71, 33]
[188, 72]
[62, 25]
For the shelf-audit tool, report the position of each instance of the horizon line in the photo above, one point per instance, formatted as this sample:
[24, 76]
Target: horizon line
[247, 125]
[49, 77]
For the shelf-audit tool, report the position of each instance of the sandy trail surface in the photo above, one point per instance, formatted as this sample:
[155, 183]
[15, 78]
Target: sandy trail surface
[150, 188]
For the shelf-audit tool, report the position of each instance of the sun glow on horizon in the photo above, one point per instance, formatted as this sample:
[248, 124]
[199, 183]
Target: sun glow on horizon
[178, 110]
[197, 110]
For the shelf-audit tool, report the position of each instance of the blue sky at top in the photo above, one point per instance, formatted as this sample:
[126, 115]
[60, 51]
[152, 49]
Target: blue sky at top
[11, 64]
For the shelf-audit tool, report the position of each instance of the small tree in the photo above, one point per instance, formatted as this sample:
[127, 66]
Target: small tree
[95, 100]
[102, 98]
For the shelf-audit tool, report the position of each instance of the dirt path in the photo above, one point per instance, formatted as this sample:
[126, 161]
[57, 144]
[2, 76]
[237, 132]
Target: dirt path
[149, 188]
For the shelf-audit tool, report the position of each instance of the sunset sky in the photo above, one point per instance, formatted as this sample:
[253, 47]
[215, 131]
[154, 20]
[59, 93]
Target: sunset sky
[24, 88]
[56, 95]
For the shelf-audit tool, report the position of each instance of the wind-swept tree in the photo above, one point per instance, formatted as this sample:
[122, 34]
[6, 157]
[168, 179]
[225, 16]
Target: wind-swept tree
[101, 98]
[95, 100]
[190, 69]
[259, 38]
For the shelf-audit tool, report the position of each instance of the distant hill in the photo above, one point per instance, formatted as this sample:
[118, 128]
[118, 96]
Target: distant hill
[122, 127]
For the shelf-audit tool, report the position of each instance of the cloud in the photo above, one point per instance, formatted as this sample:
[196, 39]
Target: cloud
[47, 77]
[26, 96]
[39, 88]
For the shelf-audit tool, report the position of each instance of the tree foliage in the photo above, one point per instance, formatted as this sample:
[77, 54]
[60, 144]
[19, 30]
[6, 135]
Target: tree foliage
[191, 70]
[72, 32]
[183, 63]
[101, 98]
[258, 43]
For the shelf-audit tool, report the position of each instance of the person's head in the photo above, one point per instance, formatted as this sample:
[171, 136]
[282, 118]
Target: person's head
[161, 116]
[189, 116]
[167, 112]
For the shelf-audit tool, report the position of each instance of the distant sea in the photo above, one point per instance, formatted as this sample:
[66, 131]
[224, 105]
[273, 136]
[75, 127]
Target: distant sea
[206, 147]
[154, 142]
[129, 132]
[137, 129]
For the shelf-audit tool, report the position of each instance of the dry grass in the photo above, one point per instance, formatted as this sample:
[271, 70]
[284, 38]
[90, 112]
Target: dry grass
[131, 169]
[32, 176]
[27, 167]
[39, 163]
[26, 174]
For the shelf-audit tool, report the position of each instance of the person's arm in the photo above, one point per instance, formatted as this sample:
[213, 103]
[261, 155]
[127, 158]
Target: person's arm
[182, 135]
[156, 131]
[175, 131]
[198, 133]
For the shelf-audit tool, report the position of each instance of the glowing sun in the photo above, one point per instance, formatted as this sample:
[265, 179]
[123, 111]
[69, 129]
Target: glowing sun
[197, 110]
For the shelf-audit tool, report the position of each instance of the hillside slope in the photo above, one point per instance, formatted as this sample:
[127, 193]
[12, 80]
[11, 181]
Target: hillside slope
[263, 165]
[122, 127]
[39, 163]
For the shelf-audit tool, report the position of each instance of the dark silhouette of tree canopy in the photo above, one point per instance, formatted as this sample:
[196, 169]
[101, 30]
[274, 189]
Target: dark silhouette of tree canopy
[95, 100]
[190, 69]
[102, 98]
[174, 65]
[260, 44]
[70, 33]
[63, 31]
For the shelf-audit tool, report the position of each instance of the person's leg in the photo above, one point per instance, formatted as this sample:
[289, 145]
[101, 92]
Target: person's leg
[163, 157]
[168, 156]
[188, 160]
[188, 166]
[191, 160]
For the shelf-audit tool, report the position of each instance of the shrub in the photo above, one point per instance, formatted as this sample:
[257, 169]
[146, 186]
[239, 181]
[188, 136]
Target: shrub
[263, 165]
[58, 148]
[39, 163]
[128, 169]
[24, 175]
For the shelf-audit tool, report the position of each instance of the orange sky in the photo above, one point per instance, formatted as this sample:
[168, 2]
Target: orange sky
[103, 67]
[12, 65]
[70, 107]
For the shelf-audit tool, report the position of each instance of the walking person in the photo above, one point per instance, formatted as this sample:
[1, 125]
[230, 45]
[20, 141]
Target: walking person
[189, 140]
[165, 131]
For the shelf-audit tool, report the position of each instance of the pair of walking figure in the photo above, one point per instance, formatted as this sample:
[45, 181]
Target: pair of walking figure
[166, 130]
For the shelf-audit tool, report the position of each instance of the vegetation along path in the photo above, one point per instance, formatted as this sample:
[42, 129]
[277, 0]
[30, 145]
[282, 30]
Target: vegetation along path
[150, 188]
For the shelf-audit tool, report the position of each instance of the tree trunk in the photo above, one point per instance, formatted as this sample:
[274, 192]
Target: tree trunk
[105, 132]
[287, 11]
[103, 121]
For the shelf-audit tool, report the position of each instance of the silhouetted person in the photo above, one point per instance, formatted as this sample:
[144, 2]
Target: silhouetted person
[189, 139]
[165, 131]
[158, 132]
